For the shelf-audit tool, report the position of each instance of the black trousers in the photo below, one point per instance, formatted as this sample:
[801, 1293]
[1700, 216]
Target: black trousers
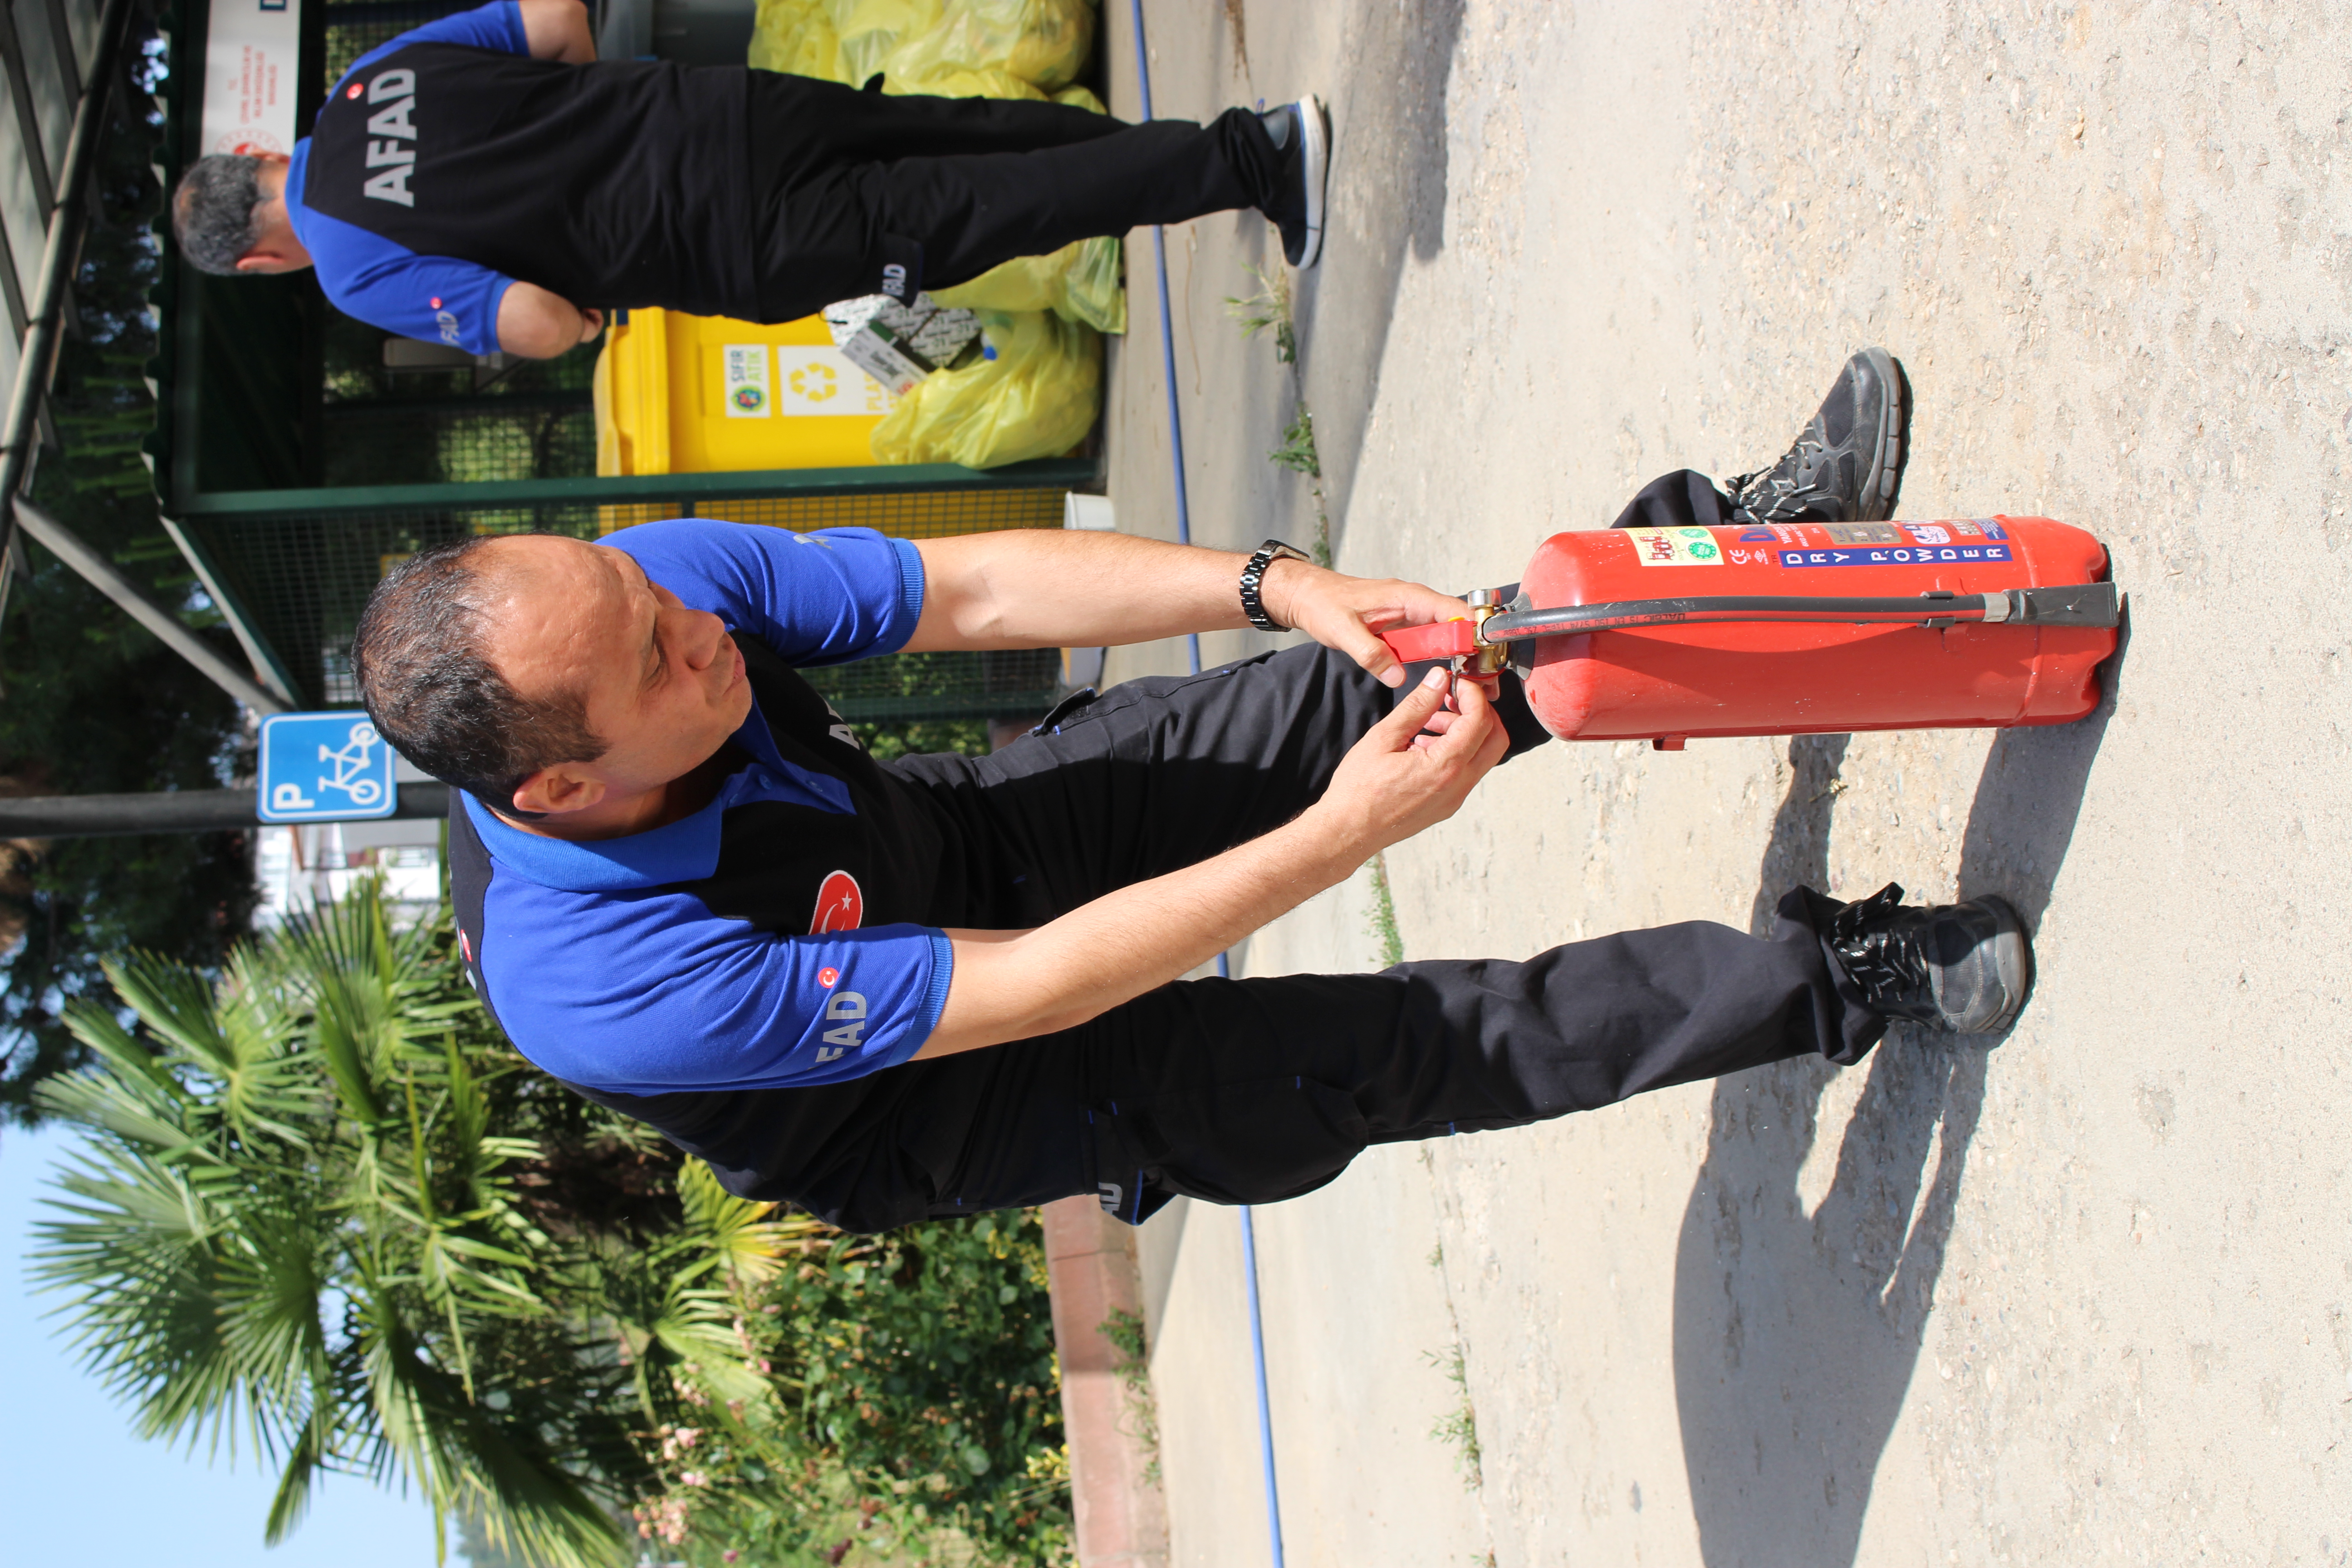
[1254, 1090]
[1684, 499]
[851, 184]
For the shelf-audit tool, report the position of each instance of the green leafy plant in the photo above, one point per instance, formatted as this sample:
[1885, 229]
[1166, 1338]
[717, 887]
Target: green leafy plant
[1268, 311]
[1124, 1330]
[1296, 452]
[1458, 1427]
[1383, 925]
[326, 1213]
[905, 1406]
[295, 1228]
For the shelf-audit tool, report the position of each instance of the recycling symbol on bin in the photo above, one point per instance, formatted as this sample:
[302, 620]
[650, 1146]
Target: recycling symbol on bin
[815, 382]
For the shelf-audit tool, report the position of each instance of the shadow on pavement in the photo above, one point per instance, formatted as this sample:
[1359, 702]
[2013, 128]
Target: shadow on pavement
[1389, 171]
[1796, 1334]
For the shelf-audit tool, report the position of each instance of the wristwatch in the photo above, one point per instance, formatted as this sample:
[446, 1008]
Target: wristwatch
[1253, 576]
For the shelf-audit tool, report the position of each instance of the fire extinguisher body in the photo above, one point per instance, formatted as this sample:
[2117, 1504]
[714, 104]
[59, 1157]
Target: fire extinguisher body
[1666, 683]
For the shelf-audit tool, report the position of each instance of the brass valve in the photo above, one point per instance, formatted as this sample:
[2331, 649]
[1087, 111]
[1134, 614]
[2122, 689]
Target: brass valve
[1491, 657]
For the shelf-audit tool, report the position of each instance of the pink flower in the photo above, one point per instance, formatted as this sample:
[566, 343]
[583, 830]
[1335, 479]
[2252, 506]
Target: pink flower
[695, 1479]
[729, 1555]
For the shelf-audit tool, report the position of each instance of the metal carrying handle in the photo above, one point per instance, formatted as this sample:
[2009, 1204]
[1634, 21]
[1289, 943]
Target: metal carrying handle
[2069, 604]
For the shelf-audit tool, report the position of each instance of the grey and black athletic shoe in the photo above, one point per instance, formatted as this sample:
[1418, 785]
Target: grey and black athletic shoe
[1961, 967]
[1847, 464]
[1302, 132]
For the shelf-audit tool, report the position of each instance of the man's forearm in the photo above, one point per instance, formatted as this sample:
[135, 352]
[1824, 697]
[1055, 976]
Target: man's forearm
[1033, 587]
[1394, 783]
[1132, 941]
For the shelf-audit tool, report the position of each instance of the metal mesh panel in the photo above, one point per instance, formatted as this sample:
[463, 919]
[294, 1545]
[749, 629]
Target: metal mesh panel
[355, 27]
[302, 580]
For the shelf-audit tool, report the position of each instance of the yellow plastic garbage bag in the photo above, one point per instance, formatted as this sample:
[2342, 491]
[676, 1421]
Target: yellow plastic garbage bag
[1042, 42]
[1078, 283]
[1036, 398]
[871, 30]
[797, 36]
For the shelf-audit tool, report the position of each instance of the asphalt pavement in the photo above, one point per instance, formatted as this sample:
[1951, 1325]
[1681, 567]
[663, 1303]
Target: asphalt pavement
[2081, 1297]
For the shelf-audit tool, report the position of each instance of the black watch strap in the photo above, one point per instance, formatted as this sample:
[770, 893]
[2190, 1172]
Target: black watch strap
[1254, 578]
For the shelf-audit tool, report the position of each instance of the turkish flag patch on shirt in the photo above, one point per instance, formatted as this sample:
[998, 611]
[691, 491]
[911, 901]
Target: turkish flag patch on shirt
[839, 905]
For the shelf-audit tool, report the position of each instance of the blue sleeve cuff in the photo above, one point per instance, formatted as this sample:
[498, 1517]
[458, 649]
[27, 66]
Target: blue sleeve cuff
[910, 591]
[935, 1000]
[512, 11]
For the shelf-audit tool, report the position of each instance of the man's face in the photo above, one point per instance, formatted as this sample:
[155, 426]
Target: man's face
[663, 684]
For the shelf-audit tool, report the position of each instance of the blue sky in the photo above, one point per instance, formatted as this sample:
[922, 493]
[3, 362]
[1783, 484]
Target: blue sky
[77, 1486]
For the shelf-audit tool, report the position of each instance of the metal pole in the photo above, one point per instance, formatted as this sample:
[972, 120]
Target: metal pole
[172, 811]
[58, 254]
[102, 573]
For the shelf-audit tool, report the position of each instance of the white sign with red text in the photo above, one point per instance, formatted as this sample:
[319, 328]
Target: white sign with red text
[250, 76]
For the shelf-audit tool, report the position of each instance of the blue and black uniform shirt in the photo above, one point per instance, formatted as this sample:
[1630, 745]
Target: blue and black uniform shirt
[448, 163]
[778, 937]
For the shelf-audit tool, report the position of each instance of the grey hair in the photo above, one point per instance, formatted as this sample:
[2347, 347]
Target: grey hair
[212, 211]
[428, 682]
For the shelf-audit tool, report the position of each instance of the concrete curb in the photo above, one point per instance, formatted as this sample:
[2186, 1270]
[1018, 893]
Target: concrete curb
[1122, 1515]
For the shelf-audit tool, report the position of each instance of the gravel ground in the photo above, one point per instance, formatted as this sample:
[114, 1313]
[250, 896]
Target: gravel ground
[2081, 1297]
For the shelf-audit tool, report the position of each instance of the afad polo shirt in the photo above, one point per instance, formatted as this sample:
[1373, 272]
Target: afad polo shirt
[772, 939]
[448, 163]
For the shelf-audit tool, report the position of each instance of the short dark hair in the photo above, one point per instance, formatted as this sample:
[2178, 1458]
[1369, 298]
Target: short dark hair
[434, 694]
[212, 211]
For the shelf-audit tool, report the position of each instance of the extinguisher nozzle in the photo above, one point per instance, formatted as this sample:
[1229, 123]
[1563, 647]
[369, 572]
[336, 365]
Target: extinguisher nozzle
[2072, 605]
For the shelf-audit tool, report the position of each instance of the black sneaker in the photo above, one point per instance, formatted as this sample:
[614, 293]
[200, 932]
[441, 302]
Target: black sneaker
[1847, 464]
[1961, 967]
[1302, 132]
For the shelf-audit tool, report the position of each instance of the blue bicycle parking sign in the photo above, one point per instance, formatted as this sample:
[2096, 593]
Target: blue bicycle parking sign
[324, 767]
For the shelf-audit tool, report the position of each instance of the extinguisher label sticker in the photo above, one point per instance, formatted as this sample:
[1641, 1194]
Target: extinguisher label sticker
[1675, 546]
[1864, 534]
[1923, 555]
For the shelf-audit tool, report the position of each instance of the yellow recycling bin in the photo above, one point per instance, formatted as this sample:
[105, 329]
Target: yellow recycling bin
[685, 395]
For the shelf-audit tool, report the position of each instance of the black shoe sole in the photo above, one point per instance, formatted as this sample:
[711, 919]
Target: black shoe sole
[1882, 487]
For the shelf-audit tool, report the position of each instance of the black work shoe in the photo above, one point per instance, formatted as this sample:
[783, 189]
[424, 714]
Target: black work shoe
[1847, 464]
[1961, 967]
[1302, 131]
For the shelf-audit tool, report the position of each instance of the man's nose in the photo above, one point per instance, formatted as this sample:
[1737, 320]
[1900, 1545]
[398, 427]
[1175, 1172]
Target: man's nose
[706, 634]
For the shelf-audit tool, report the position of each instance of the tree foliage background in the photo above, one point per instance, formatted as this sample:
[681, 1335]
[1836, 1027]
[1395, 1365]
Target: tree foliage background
[327, 1214]
[92, 703]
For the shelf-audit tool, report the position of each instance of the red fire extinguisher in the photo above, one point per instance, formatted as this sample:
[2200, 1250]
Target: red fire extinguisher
[1660, 634]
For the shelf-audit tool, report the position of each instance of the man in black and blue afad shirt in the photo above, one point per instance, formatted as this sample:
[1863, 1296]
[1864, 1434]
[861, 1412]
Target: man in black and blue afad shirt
[483, 181]
[938, 984]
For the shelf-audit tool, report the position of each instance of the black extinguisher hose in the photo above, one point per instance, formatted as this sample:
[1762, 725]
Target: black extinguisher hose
[2072, 605]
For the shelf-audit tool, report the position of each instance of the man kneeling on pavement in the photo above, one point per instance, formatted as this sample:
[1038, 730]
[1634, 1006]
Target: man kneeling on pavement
[886, 990]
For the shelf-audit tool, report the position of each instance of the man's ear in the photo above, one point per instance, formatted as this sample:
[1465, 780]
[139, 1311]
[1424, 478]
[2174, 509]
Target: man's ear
[557, 790]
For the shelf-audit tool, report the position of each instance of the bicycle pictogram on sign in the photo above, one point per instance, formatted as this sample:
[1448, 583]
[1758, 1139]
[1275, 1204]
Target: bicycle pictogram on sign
[324, 767]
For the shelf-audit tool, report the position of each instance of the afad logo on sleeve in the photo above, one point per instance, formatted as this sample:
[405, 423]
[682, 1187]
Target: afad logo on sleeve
[839, 905]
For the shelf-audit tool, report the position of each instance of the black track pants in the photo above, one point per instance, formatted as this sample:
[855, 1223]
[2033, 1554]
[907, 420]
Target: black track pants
[852, 183]
[1685, 498]
[1253, 1090]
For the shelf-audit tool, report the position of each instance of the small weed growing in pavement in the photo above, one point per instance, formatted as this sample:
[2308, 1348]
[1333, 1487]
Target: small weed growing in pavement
[1268, 310]
[1296, 452]
[1383, 924]
[1436, 1258]
[1459, 1429]
[1124, 1330]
